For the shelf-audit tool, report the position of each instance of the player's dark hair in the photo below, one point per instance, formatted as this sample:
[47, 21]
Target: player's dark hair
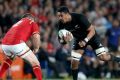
[28, 15]
[63, 9]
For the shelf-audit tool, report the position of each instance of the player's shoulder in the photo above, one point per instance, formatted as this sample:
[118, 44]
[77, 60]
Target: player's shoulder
[78, 17]
[77, 14]
[25, 19]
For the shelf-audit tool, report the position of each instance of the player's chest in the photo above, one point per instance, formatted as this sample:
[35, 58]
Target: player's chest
[72, 27]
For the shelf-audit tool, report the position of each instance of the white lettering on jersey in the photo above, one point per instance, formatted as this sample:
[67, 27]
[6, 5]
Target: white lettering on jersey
[76, 26]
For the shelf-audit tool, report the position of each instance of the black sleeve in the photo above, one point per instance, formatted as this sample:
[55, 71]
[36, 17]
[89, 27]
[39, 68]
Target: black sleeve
[83, 21]
[59, 27]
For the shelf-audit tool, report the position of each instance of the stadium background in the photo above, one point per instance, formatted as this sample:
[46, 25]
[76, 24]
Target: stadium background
[54, 59]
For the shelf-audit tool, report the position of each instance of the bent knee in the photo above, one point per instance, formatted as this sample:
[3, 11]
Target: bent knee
[104, 56]
[34, 63]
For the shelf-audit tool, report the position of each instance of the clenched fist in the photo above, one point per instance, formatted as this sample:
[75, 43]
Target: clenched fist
[82, 43]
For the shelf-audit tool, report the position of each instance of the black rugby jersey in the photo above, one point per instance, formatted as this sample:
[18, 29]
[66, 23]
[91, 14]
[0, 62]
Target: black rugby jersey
[77, 26]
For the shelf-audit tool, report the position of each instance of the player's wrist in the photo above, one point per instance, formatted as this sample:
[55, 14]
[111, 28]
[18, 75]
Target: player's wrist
[35, 50]
[86, 40]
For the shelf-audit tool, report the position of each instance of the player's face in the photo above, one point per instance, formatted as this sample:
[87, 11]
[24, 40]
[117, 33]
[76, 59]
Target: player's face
[62, 17]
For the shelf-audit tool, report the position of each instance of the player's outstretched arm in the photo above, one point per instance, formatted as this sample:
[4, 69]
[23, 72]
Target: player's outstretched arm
[36, 42]
[91, 32]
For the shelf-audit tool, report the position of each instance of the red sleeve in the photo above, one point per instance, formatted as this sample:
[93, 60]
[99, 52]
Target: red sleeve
[35, 28]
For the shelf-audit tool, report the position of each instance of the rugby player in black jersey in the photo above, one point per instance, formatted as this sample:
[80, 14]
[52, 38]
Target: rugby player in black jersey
[84, 34]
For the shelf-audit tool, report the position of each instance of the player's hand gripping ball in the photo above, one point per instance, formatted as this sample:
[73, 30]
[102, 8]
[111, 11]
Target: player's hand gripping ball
[65, 35]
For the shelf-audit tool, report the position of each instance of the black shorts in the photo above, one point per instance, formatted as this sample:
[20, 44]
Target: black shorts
[95, 43]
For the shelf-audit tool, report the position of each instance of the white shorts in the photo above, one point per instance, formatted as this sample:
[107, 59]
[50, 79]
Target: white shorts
[21, 50]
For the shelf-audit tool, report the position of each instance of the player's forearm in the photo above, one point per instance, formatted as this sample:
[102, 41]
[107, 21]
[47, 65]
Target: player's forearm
[91, 33]
[36, 41]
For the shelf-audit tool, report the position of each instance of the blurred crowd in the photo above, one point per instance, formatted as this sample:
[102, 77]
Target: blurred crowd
[55, 58]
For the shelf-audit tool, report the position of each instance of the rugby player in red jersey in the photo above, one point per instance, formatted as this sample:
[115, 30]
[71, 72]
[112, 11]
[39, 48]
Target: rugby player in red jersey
[14, 44]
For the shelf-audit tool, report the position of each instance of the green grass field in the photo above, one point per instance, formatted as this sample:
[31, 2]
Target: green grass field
[71, 79]
[87, 79]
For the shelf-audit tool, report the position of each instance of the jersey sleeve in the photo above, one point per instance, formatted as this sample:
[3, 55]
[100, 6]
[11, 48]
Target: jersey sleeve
[35, 28]
[59, 26]
[83, 21]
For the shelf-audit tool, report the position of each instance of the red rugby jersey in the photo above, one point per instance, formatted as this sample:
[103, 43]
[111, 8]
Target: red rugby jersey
[20, 32]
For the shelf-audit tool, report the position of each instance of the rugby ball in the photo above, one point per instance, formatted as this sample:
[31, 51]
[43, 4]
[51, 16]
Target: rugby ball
[63, 33]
